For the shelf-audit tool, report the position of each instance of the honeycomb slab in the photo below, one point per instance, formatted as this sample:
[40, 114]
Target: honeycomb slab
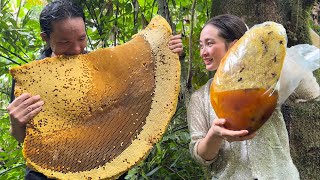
[103, 110]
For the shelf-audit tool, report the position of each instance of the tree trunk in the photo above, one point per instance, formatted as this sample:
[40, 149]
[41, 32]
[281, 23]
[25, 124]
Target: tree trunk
[185, 90]
[292, 14]
[302, 119]
[303, 126]
[163, 9]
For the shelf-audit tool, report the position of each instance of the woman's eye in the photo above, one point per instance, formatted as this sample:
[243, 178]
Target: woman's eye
[64, 42]
[210, 44]
[82, 38]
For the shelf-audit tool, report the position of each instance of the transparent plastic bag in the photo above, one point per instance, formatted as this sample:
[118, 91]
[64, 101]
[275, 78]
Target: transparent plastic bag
[299, 62]
[245, 88]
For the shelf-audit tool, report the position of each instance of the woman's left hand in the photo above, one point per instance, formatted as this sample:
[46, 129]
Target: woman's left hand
[175, 44]
[218, 129]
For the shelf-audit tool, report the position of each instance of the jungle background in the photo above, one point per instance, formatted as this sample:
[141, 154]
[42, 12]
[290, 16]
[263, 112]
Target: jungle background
[113, 22]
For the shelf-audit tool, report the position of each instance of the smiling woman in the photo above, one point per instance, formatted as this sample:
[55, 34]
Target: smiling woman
[68, 37]
[56, 17]
[245, 62]
[212, 47]
[97, 120]
[63, 29]
[216, 39]
[62, 25]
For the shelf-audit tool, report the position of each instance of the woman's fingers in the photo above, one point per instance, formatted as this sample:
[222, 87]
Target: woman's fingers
[24, 101]
[31, 114]
[175, 44]
[241, 135]
[178, 36]
[177, 50]
[24, 108]
[219, 122]
[31, 111]
[250, 136]
[230, 135]
[17, 101]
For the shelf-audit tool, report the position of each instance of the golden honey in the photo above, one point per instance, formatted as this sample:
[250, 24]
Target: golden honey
[244, 109]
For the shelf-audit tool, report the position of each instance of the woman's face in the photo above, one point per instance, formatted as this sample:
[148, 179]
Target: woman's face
[68, 37]
[212, 47]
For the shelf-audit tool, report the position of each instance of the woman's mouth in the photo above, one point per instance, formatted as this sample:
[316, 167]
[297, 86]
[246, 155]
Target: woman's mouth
[207, 61]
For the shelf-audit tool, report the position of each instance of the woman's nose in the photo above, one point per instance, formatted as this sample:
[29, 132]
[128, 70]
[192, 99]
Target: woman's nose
[203, 52]
[75, 49]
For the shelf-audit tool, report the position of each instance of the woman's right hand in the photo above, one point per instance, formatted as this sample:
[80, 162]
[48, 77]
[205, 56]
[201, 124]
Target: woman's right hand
[21, 111]
[209, 146]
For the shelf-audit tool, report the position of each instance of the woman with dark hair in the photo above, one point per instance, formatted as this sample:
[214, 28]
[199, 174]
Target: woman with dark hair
[62, 25]
[63, 28]
[234, 154]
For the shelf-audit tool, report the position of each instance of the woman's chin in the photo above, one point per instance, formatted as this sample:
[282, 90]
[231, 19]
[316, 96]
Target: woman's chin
[211, 67]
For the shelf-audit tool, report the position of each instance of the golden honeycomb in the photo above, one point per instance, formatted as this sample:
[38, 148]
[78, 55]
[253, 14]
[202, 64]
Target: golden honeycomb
[103, 110]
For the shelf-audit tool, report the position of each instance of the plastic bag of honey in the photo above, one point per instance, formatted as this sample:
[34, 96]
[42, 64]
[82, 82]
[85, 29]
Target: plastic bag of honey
[245, 87]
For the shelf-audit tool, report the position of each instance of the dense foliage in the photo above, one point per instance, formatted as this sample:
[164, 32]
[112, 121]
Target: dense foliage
[109, 23]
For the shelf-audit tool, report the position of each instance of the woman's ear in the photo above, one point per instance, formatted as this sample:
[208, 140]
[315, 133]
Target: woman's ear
[233, 42]
[44, 37]
[229, 45]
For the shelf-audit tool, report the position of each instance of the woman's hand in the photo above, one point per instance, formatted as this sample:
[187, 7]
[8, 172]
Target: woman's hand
[218, 130]
[209, 146]
[175, 44]
[21, 111]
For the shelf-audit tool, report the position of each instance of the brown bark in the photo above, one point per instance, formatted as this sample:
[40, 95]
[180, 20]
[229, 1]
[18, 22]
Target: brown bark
[164, 12]
[303, 126]
[292, 14]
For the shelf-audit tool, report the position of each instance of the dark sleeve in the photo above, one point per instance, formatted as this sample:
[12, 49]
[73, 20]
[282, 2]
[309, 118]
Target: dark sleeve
[33, 175]
[12, 90]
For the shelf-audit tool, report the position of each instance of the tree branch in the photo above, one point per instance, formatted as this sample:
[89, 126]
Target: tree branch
[164, 12]
[7, 170]
[4, 92]
[13, 54]
[115, 29]
[10, 60]
[18, 12]
[144, 20]
[94, 17]
[89, 39]
[20, 49]
[189, 81]
[135, 11]
[169, 168]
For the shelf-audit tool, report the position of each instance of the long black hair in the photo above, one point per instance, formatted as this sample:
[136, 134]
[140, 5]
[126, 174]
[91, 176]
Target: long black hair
[230, 27]
[56, 11]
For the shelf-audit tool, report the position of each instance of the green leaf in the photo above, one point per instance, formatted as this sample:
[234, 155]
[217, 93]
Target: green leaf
[128, 7]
